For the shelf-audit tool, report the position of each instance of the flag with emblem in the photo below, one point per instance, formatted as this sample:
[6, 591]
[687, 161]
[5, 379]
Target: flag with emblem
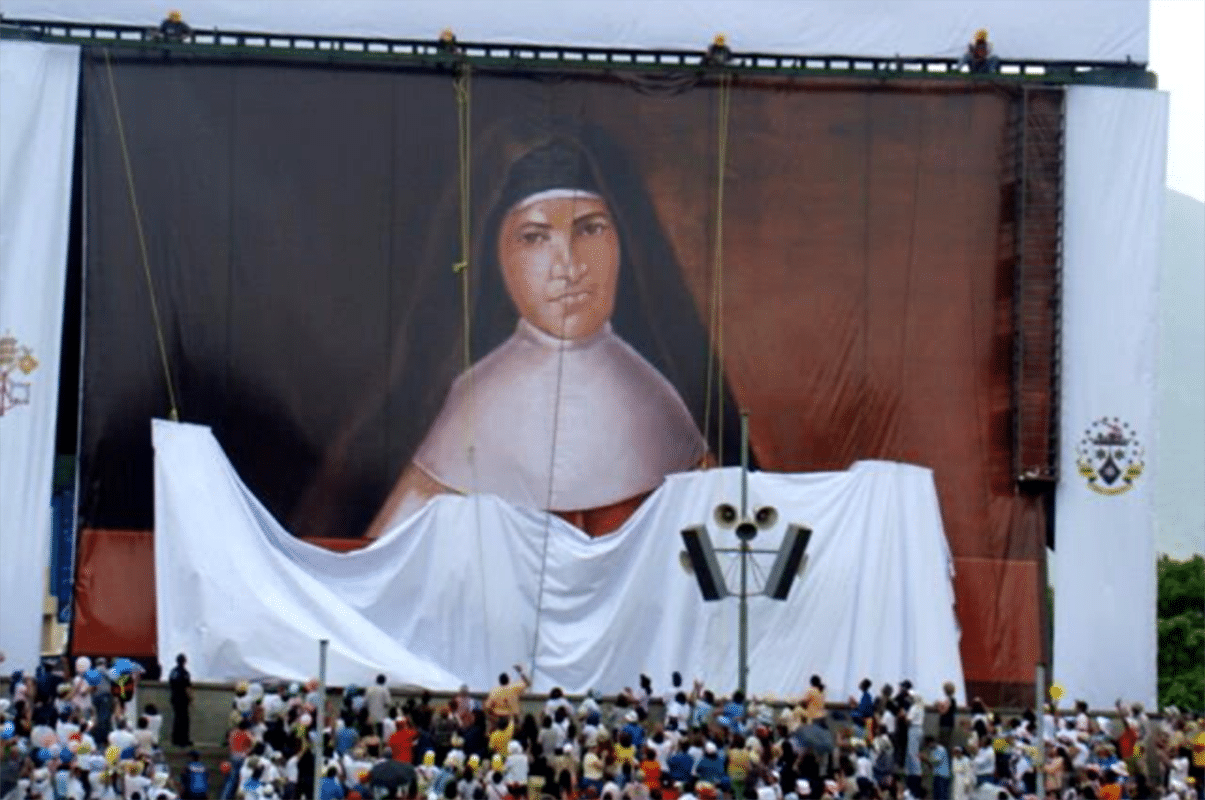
[37, 145]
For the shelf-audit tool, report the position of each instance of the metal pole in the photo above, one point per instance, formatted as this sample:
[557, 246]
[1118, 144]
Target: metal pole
[744, 472]
[743, 656]
[320, 715]
[1039, 684]
[743, 668]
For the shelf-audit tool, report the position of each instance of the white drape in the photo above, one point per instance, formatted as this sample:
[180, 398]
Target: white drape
[470, 585]
[38, 88]
[1104, 600]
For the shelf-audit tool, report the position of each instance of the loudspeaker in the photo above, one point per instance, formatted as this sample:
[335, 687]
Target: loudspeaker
[788, 562]
[703, 563]
[726, 515]
[765, 517]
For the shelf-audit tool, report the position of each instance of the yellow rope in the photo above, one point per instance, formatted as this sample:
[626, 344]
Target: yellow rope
[463, 88]
[173, 411]
[715, 329]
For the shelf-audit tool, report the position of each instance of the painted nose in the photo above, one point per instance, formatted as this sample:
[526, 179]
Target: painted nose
[565, 263]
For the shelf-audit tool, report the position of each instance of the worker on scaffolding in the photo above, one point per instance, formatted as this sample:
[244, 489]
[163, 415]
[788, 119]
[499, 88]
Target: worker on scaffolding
[979, 57]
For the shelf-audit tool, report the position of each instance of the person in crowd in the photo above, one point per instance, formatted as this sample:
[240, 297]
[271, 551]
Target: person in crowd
[863, 713]
[947, 714]
[179, 683]
[194, 781]
[503, 699]
[376, 701]
[939, 764]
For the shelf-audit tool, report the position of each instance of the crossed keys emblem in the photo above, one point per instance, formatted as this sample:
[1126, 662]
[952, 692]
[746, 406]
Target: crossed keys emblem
[16, 363]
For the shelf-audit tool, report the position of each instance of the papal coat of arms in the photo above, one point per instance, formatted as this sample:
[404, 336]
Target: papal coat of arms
[16, 363]
[1109, 456]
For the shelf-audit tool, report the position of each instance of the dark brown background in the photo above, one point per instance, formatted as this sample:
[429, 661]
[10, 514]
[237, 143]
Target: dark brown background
[866, 304]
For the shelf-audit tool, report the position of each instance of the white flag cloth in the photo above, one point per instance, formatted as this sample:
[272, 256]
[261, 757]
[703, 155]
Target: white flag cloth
[471, 585]
[1104, 598]
[38, 89]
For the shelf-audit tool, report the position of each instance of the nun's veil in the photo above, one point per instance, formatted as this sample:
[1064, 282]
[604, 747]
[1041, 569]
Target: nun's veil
[654, 311]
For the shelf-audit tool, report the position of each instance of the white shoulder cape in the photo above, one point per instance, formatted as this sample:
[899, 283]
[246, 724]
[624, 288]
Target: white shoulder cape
[561, 425]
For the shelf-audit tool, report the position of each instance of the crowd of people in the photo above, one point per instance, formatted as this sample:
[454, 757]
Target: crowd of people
[74, 734]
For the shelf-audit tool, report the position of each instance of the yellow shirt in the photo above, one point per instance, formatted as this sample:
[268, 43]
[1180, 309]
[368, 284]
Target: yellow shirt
[500, 739]
[738, 763]
[504, 700]
[1198, 750]
[813, 702]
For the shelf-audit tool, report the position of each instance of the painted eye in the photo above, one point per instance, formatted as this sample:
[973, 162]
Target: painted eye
[533, 237]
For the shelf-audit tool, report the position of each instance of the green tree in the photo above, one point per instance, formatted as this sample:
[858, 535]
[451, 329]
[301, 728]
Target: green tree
[1182, 632]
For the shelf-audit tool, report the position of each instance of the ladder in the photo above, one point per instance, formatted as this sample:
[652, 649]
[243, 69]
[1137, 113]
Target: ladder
[1037, 133]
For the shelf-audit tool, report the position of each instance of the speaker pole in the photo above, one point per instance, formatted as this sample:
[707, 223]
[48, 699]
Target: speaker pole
[744, 468]
[320, 716]
[743, 667]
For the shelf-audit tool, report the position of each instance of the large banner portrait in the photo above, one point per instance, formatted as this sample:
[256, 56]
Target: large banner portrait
[382, 286]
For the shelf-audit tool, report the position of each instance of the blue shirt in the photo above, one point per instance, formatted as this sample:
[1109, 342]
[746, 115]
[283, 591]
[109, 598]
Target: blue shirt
[940, 760]
[196, 779]
[681, 765]
[735, 712]
[329, 789]
[345, 739]
[637, 733]
[865, 708]
[710, 768]
[62, 779]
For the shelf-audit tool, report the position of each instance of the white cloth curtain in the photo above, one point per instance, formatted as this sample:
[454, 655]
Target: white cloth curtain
[38, 89]
[471, 585]
[1104, 598]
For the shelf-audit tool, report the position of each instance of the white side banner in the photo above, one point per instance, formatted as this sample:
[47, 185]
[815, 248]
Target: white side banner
[1104, 30]
[470, 585]
[1104, 598]
[38, 87]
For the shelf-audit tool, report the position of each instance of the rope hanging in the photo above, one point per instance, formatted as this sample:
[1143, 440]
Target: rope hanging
[715, 327]
[462, 87]
[173, 410]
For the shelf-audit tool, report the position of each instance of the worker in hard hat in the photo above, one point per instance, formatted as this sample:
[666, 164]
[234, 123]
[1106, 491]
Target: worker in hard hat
[174, 28]
[979, 57]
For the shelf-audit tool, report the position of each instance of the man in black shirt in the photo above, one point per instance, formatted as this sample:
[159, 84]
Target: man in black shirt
[180, 684]
[948, 710]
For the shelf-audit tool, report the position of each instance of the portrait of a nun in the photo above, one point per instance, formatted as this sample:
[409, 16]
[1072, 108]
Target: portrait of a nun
[586, 377]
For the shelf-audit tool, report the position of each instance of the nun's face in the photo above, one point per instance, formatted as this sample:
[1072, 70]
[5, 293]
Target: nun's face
[560, 262]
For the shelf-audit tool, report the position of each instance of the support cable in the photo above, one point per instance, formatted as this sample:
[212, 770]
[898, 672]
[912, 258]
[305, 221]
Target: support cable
[173, 407]
[715, 354]
[462, 87]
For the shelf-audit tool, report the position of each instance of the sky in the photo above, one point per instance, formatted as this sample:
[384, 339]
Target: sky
[1177, 56]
